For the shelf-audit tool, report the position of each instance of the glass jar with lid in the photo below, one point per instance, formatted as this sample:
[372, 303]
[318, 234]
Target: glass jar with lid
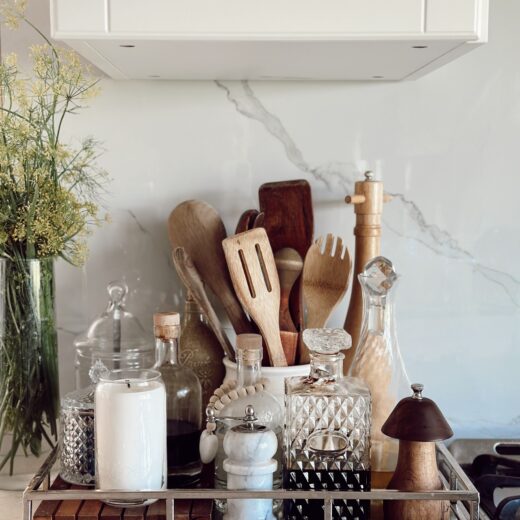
[77, 461]
[116, 338]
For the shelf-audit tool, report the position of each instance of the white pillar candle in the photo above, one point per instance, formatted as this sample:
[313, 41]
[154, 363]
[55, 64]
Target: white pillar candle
[130, 424]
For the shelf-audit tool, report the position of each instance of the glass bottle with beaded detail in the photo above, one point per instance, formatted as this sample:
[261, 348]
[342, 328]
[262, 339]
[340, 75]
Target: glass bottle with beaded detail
[249, 392]
[327, 435]
[183, 403]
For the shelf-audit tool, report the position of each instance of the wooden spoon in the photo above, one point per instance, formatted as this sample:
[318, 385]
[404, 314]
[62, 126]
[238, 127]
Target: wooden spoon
[197, 227]
[191, 279]
[253, 272]
[246, 220]
[250, 219]
[289, 265]
[325, 280]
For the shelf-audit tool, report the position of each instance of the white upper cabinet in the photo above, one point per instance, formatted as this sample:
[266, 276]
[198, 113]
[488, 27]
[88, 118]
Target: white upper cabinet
[270, 39]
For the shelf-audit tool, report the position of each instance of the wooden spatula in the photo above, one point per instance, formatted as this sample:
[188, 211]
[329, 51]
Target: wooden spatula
[325, 280]
[191, 279]
[289, 222]
[253, 272]
[289, 219]
[198, 228]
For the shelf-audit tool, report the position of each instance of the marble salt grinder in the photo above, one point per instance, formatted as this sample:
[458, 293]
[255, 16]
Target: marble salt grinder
[250, 465]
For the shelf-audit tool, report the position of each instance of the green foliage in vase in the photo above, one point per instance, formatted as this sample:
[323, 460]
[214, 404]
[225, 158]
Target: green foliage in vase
[49, 193]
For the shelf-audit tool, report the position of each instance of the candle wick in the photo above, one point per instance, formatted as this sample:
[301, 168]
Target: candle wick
[128, 383]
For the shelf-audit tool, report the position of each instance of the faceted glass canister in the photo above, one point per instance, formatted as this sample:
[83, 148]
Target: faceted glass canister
[378, 360]
[327, 436]
[116, 338]
[77, 461]
[184, 403]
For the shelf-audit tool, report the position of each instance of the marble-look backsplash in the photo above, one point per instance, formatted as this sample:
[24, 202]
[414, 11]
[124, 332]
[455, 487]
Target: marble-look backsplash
[445, 145]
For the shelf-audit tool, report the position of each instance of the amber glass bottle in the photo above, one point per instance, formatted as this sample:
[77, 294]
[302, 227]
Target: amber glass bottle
[200, 350]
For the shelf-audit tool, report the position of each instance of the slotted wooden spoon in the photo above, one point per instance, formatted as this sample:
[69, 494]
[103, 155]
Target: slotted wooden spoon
[325, 279]
[252, 268]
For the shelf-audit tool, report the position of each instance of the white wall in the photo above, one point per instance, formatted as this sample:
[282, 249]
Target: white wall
[447, 144]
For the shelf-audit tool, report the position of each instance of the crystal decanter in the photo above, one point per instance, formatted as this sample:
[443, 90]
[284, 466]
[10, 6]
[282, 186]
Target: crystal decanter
[327, 437]
[378, 360]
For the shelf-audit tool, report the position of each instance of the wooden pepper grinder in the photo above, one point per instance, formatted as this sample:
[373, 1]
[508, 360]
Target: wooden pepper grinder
[368, 202]
[418, 423]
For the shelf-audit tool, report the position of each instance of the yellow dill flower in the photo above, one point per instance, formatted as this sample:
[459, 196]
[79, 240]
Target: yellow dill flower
[48, 189]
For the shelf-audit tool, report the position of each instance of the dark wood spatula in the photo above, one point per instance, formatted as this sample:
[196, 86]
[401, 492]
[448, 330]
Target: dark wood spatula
[289, 222]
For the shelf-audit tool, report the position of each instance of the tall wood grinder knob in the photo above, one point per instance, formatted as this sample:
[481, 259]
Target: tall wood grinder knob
[368, 200]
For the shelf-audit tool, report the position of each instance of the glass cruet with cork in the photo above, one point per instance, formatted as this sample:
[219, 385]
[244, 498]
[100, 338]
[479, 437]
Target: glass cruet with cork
[378, 359]
[115, 338]
[183, 402]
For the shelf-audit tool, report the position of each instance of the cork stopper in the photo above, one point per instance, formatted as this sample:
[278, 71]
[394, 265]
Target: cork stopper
[249, 348]
[166, 325]
[249, 342]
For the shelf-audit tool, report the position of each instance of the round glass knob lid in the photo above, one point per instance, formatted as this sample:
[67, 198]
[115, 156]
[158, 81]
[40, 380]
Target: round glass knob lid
[326, 341]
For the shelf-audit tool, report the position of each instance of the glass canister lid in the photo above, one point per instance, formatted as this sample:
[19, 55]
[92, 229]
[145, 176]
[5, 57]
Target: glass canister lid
[326, 341]
[82, 399]
[115, 330]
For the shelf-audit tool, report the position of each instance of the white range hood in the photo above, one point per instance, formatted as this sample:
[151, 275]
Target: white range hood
[270, 39]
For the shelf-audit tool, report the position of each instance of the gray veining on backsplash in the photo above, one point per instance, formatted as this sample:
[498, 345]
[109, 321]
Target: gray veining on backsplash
[247, 103]
[438, 240]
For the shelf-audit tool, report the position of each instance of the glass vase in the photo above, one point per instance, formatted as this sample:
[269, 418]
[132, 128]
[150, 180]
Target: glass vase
[29, 387]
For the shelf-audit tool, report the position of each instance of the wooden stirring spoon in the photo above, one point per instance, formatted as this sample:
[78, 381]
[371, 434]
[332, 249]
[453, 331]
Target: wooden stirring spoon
[198, 228]
[289, 265]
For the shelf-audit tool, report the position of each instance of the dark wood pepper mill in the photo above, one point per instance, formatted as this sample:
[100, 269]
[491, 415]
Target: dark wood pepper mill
[418, 423]
[368, 202]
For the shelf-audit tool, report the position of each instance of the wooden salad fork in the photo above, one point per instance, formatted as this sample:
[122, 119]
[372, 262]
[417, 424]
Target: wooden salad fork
[325, 280]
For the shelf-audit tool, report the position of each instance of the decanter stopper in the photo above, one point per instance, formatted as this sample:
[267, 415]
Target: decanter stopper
[379, 276]
[326, 341]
